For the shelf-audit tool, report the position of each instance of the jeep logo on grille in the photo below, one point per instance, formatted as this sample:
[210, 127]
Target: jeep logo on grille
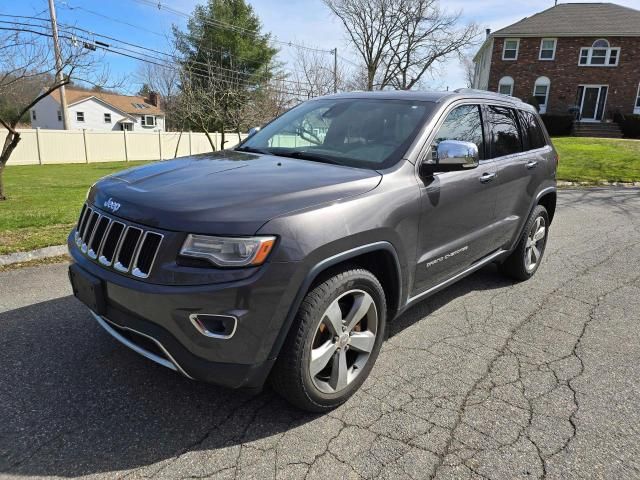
[112, 205]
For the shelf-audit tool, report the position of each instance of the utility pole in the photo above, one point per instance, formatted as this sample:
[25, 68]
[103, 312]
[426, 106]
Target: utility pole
[335, 70]
[59, 74]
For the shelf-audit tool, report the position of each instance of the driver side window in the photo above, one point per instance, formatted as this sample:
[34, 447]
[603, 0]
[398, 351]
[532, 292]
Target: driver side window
[464, 123]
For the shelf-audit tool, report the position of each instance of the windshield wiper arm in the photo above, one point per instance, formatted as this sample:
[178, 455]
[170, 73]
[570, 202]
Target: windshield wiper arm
[253, 150]
[316, 157]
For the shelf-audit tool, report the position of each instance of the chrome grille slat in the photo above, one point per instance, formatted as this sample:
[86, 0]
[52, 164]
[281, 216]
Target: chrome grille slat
[116, 244]
[136, 235]
[104, 260]
[97, 236]
[91, 225]
[142, 271]
[83, 225]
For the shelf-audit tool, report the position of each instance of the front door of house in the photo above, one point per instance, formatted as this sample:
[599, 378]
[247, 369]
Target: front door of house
[593, 100]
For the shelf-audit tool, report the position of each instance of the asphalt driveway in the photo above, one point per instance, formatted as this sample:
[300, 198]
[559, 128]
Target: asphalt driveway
[488, 379]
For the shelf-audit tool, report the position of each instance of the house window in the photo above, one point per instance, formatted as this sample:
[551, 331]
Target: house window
[541, 92]
[600, 54]
[548, 49]
[59, 116]
[107, 118]
[33, 115]
[505, 86]
[80, 116]
[637, 107]
[510, 51]
[148, 121]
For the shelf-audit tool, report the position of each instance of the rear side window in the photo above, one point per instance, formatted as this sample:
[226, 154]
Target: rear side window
[504, 136]
[532, 131]
[463, 123]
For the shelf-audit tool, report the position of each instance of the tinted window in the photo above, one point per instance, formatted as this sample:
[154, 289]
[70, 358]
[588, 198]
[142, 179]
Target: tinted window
[464, 123]
[504, 138]
[533, 134]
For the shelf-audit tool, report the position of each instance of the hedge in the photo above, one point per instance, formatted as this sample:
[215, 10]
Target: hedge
[630, 125]
[558, 125]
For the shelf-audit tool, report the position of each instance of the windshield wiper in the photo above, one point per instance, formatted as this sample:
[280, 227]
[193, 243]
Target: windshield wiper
[253, 150]
[316, 157]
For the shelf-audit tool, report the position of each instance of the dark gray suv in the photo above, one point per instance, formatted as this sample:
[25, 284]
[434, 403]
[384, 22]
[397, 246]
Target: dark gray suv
[286, 257]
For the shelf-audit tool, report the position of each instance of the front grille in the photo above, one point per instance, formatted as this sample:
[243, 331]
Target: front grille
[113, 243]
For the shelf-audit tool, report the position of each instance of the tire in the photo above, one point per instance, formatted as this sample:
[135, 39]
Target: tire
[519, 265]
[352, 298]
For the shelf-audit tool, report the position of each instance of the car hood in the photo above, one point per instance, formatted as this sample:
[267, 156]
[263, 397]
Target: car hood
[228, 192]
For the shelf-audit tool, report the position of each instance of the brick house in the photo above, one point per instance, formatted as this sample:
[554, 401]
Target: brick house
[581, 58]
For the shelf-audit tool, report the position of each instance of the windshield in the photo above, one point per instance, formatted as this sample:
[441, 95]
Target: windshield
[367, 133]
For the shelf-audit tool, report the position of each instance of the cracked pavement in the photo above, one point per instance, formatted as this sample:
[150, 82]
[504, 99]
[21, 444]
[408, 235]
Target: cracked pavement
[487, 379]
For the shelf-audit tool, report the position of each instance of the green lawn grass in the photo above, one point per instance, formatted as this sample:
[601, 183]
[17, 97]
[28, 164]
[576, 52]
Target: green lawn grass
[598, 159]
[44, 202]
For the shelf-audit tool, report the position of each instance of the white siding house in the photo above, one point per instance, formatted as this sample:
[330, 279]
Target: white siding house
[482, 62]
[99, 111]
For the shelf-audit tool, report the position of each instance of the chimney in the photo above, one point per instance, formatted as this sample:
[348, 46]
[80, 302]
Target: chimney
[154, 99]
[488, 32]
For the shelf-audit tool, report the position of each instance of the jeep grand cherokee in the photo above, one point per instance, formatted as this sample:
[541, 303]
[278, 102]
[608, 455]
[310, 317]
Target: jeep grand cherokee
[286, 257]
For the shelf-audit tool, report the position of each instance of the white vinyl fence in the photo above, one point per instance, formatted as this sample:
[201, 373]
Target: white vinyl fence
[41, 147]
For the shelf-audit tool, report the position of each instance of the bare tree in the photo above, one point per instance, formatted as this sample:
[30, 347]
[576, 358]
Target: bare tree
[469, 70]
[24, 58]
[164, 80]
[313, 74]
[369, 24]
[402, 40]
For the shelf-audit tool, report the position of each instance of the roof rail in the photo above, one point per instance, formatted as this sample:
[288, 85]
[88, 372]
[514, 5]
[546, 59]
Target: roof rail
[486, 92]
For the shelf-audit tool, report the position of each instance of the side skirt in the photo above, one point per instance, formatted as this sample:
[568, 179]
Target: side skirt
[476, 266]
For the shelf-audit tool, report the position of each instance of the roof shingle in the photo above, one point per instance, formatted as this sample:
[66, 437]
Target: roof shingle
[578, 19]
[124, 103]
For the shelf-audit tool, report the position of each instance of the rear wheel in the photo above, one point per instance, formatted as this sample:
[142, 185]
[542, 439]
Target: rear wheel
[524, 261]
[333, 343]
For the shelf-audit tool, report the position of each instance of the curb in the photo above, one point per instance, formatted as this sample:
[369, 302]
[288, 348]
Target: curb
[603, 183]
[39, 254]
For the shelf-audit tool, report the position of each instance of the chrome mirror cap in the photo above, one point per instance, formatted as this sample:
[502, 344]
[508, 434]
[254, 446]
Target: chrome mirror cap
[458, 154]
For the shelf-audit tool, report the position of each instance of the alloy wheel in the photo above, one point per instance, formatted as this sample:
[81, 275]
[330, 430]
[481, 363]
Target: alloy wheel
[343, 341]
[535, 244]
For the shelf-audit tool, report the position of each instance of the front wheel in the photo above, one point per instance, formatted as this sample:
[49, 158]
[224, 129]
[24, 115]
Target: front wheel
[524, 261]
[333, 343]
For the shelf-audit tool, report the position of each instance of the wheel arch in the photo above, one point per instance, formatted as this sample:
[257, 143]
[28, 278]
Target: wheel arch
[548, 200]
[388, 271]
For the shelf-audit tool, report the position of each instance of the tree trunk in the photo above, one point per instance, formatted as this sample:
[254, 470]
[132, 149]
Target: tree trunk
[10, 143]
[211, 142]
[175, 155]
[222, 141]
[239, 136]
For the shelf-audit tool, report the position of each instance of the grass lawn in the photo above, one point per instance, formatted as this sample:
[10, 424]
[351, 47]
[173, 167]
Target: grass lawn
[44, 202]
[598, 159]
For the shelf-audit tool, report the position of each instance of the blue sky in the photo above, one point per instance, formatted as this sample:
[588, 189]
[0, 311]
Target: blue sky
[301, 21]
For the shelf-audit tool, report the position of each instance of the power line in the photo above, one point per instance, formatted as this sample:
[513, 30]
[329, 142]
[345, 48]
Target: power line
[228, 26]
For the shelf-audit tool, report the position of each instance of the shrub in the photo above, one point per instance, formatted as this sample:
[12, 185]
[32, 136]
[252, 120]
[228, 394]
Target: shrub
[630, 125]
[558, 125]
[533, 101]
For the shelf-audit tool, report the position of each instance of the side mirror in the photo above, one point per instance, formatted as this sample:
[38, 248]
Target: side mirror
[253, 131]
[452, 156]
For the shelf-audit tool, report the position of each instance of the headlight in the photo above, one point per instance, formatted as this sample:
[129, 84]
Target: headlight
[228, 251]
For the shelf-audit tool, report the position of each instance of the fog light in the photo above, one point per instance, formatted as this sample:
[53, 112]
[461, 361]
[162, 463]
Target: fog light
[214, 326]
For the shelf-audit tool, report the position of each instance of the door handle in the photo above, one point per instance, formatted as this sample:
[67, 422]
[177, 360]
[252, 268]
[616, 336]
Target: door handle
[488, 177]
[532, 164]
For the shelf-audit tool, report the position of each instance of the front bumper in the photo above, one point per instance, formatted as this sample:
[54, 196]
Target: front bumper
[155, 320]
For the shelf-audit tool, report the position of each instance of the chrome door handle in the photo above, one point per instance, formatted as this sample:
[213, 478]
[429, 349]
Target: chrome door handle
[532, 164]
[488, 177]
